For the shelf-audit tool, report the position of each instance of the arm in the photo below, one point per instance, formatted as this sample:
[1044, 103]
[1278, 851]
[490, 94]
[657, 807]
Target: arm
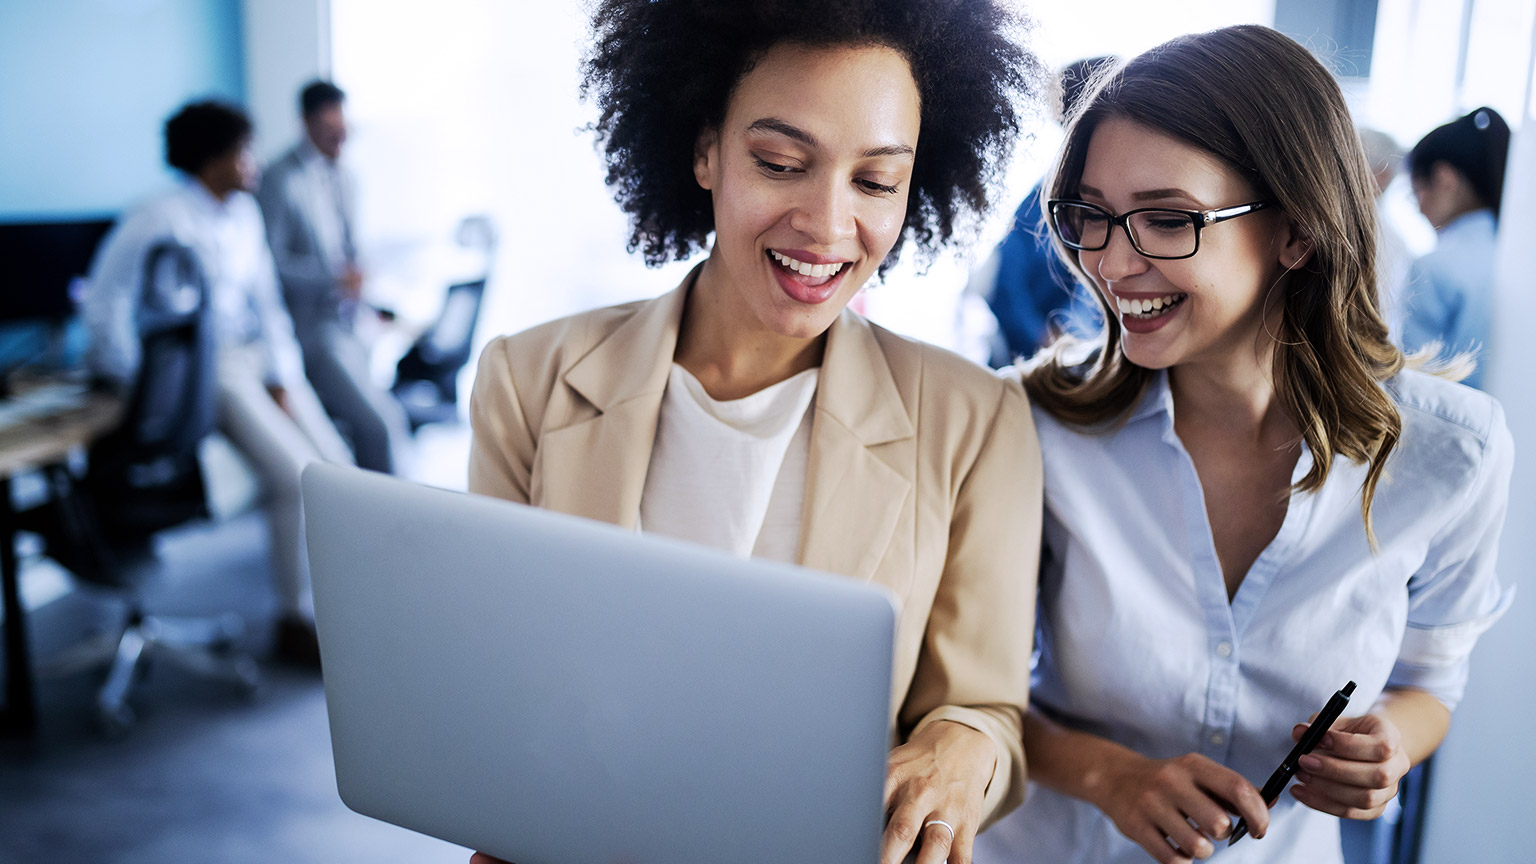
[1150, 800]
[112, 300]
[963, 762]
[1453, 598]
[285, 362]
[502, 445]
[304, 275]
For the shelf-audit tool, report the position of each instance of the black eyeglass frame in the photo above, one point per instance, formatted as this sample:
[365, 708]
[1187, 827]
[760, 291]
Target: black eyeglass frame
[1198, 218]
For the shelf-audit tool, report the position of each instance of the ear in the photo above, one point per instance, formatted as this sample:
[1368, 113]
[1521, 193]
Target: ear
[706, 158]
[1295, 246]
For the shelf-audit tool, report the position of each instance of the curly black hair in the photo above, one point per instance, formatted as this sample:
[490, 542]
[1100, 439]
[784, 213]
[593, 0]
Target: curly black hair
[202, 132]
[662, 71]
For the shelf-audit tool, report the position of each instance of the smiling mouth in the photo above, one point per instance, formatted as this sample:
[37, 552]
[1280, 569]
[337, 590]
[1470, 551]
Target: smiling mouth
[816, 273]
[1152, 307]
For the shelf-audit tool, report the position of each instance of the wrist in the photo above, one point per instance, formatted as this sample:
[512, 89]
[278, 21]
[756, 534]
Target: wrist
[1109, 771]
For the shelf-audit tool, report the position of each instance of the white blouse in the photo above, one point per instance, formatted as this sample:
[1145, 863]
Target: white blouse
[731, 474]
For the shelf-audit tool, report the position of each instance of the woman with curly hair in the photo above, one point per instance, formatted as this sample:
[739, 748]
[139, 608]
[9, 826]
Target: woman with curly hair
[1250, 501]
[749, 409]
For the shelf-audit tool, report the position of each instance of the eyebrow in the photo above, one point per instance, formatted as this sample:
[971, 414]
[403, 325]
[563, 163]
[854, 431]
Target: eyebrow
[795, 133]
[1148, 195]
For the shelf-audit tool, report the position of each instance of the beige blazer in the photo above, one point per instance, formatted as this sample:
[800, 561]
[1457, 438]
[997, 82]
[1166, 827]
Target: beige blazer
[923, 476]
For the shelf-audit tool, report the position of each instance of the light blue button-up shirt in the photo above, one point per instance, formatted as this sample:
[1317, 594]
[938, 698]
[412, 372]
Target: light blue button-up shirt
[1139, 644]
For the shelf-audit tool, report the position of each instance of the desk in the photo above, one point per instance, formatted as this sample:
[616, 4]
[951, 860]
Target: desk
[37, 440]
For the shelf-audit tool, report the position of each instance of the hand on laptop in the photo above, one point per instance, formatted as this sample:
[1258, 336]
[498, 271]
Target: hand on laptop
[934, 790]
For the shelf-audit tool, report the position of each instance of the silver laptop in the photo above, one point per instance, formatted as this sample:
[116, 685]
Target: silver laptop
[553, 690]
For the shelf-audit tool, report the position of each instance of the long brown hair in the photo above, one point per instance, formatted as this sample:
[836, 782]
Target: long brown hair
[1266, 108]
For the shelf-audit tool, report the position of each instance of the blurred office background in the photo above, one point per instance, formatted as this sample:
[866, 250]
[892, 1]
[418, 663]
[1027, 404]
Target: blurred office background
[465, 108]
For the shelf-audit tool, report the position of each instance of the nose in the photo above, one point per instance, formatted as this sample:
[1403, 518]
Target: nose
[826, 212]
[1119, 260]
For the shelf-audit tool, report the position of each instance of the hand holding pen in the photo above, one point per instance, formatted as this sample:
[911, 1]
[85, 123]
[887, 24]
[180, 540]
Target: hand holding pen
[1307, 740]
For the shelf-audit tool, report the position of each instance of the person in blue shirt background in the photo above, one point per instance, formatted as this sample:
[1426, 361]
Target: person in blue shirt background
[1252, 497]
[1027, 286]
[1458, 179]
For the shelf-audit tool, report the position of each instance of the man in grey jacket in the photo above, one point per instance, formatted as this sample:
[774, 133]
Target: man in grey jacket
[307, 198]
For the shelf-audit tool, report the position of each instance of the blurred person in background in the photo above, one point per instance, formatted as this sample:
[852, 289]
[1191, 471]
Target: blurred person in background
[1027, 286]
[1458, 179]
[1385, 158]
[308, 198]
[266, 406]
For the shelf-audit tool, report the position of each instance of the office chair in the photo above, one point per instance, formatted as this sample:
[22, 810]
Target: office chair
[144, 477]
[426, 378]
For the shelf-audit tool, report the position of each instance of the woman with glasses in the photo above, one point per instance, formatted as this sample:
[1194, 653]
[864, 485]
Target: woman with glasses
[1251, 497]
[797, 145]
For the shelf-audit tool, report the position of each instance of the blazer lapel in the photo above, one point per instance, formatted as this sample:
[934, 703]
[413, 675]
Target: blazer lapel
[853, 496]
[595, 466]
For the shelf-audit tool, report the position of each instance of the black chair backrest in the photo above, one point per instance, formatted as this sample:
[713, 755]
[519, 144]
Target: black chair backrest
[173, 406]
[440, 352]
[145, 474]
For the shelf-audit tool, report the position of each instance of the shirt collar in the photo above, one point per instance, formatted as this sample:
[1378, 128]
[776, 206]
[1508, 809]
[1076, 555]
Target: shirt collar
[311, 155]
[1480, 220]
[205, 199]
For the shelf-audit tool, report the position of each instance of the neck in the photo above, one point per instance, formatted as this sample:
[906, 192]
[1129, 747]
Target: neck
[730, 354]
[1239, 399]
[218, 191]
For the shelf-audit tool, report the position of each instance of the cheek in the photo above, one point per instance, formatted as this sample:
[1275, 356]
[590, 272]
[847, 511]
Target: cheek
[882, 222]
[744, 209]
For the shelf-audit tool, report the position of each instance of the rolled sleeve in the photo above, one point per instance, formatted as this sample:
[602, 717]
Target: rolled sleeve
[1456, 595]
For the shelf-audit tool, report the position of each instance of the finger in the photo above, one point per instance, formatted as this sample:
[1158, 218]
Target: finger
[1209, 815]
[1149, 838]
[963, 849]
[482, 858]
[901, 834]
[934, 842]
[1233, 791]
[1359, 746]
[1186, 837]
[1312, 798]
[1343, 793]
[1368, 775]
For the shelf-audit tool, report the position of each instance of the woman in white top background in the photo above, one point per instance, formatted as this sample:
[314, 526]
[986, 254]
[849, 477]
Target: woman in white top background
[1251, 498]
[749, 409]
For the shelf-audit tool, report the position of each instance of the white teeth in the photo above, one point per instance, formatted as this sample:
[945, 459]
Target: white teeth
[1139, 306]
[815, 271]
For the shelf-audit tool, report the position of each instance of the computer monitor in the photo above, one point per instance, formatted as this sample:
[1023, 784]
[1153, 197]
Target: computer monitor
[38, 263]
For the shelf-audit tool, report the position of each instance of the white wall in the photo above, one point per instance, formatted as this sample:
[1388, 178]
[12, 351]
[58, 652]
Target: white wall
[1481, 806]
[287, 44]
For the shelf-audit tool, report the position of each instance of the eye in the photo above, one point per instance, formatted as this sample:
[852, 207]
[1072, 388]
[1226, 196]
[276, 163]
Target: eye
[773, 167]
[1168, 224]
[881, 188]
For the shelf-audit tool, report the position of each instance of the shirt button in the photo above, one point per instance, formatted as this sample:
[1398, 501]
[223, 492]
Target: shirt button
[1224, 649]
[1218, 739]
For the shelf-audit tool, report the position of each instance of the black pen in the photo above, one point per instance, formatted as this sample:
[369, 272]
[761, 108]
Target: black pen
[1309, 740]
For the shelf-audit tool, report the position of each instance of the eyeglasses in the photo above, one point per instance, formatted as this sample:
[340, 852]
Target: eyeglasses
[1154, 232]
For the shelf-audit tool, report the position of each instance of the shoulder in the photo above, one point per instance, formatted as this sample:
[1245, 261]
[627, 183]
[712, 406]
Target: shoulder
[1449, 429]
[1444, 409]
[281, 173]
[934, 373]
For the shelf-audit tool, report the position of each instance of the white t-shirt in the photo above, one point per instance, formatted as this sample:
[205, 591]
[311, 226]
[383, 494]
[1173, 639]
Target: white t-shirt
[731, 474]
